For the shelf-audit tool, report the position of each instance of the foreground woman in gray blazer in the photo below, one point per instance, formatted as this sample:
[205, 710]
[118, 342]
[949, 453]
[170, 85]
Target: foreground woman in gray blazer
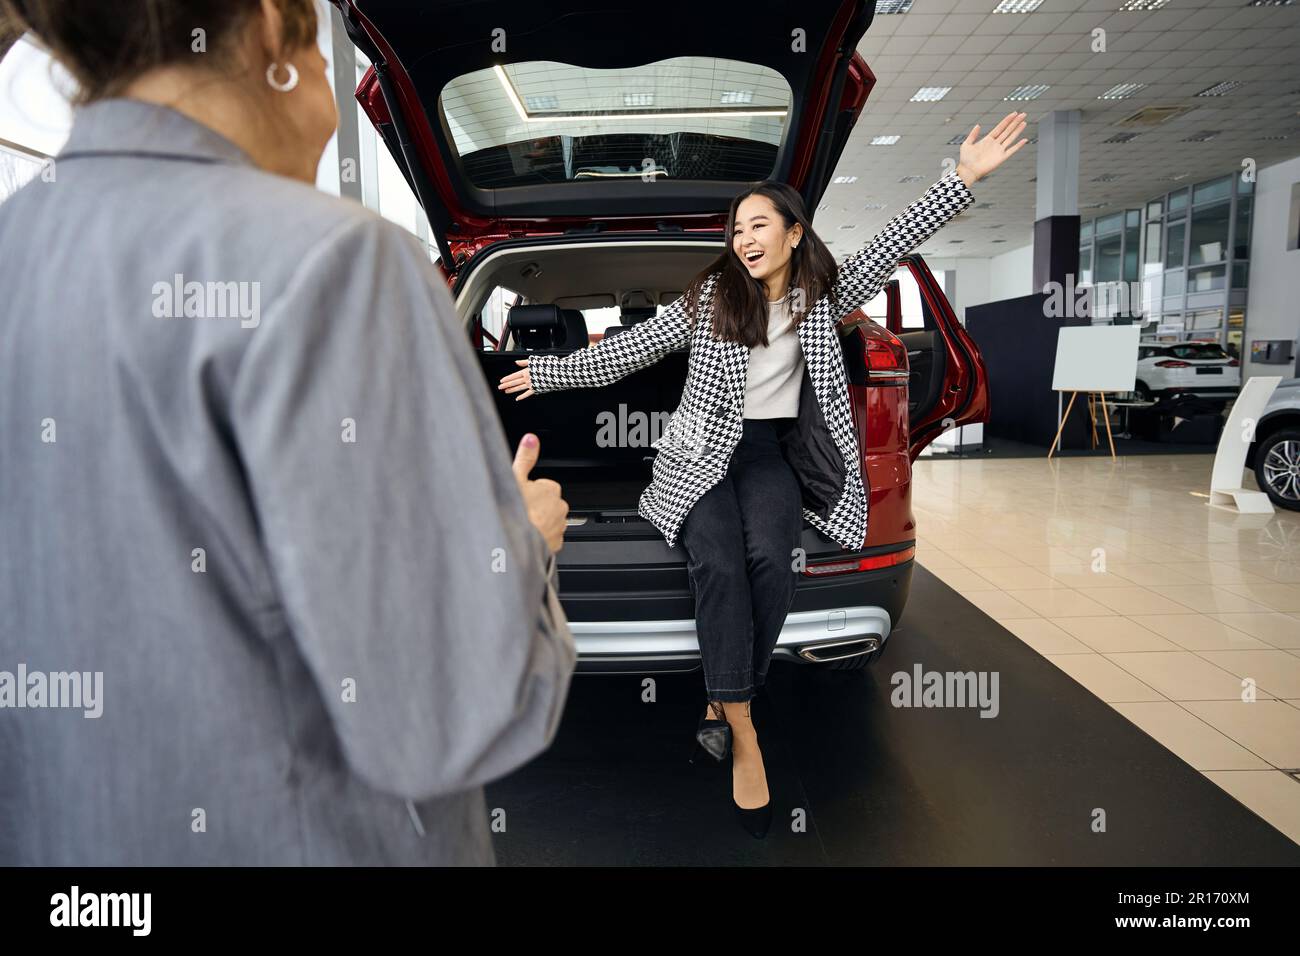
[271, 592]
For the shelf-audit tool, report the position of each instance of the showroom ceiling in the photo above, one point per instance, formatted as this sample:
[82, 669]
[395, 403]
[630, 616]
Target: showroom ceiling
[1178, 51]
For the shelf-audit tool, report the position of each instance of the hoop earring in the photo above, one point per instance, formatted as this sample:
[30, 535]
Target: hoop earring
[288, 84]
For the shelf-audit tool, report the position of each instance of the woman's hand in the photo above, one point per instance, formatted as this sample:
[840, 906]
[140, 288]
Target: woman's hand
[978, 159]
[547, 511]
[517, 380]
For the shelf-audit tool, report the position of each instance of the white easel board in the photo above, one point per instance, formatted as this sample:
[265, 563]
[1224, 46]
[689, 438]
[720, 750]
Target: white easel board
[1096, 358]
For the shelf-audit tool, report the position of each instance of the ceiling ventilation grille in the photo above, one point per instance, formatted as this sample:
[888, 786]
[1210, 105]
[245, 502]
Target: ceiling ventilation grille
[1150, 116]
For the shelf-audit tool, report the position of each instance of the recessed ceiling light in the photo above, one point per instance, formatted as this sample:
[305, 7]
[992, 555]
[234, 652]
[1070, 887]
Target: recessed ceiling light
[848, 225]
[874, 206]
[842, 180]
[910, 179]
[1017, 6]
[930, 94]
[893, 6]
[542, 102]
[737, 96]
[1105, 178]
[1220, 89]
[1270, 3]
[956, 141]
[1131, 5]
[1031, 92]
[1122, 91]
[1121, 138]
[997, 240]
[638, 99]
[884, 140]
[1204, 136]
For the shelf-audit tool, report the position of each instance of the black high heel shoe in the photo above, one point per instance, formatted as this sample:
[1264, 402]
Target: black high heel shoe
[713, 736]
[756, 821]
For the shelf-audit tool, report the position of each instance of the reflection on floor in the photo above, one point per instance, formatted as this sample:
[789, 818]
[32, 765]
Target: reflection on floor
[1122, 576]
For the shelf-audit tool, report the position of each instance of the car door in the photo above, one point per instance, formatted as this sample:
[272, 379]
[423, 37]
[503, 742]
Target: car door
[947, 383]
[513, 120]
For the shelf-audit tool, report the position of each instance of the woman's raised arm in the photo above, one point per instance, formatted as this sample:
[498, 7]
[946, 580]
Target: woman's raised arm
[863, 274]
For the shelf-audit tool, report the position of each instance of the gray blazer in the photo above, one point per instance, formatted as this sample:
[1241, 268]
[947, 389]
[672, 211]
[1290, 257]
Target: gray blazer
[258, 512]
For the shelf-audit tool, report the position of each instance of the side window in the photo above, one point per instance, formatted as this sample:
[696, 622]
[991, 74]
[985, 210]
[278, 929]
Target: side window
[492, 317]
[599, 320]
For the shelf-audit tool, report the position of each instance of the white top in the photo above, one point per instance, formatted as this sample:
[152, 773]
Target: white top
[776, 369]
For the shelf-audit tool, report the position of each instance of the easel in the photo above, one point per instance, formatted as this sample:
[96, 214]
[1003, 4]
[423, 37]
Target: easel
[1092, 414]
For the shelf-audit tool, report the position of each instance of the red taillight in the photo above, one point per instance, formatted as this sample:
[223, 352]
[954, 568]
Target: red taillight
[1173, 363]
[886, 360]
[873, 563]
[1233, 363]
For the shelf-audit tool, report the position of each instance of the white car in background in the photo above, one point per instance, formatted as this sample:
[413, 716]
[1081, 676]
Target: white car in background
[1202, 369]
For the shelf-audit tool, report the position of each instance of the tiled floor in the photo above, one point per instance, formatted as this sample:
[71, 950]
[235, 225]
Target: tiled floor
[1173, 612]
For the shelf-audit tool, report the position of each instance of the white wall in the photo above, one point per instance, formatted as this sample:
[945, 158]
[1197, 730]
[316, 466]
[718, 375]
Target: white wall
[1011, 274]
[1272, 303]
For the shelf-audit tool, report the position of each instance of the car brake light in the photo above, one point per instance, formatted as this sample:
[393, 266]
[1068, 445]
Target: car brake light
[1173, 363]
[886, 359]
[873, 563]
[1233, 363]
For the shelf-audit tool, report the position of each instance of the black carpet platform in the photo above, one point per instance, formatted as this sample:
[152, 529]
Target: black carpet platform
[873, 783]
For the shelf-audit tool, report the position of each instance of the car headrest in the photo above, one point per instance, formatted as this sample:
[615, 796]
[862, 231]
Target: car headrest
[535, 317]
[536, 326]
[631, 316]
[575, 329]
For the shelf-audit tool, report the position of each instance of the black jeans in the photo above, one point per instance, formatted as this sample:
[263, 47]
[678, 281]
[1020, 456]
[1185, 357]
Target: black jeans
[739, 539]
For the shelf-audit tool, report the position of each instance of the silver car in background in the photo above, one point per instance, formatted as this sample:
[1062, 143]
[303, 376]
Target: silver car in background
[1275, 453]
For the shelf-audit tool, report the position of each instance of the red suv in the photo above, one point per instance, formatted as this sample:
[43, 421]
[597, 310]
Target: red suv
[576, 160]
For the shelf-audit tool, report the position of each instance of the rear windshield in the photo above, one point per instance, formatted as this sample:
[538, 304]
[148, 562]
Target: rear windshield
[1198, 350]
[688, 117]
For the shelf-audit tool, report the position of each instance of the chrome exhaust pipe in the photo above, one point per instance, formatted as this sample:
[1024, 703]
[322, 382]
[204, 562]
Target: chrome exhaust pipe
[839, 650]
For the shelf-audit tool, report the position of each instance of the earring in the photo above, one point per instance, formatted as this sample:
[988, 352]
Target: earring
[288, 84]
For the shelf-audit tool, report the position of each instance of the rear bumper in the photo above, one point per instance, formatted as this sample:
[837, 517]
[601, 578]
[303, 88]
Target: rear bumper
[621, 647]
[830, 619]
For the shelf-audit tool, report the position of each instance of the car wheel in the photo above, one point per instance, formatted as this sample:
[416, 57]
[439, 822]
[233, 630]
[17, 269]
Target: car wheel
[1143, 393]
[1277, 468]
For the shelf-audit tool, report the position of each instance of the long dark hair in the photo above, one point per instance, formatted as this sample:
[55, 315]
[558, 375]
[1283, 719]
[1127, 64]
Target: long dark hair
[739, 303]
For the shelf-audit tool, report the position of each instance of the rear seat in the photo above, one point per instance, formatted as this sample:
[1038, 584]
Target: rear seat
[567, 420]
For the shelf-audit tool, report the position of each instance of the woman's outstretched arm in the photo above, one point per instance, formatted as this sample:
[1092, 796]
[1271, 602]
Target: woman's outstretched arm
[611, 358]
[863, 274]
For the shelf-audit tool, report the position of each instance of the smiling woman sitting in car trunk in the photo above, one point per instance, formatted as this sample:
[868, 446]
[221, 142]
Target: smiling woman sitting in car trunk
[763, 438]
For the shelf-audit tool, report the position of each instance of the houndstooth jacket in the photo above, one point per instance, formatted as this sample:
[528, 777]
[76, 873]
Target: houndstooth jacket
[697, 442]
